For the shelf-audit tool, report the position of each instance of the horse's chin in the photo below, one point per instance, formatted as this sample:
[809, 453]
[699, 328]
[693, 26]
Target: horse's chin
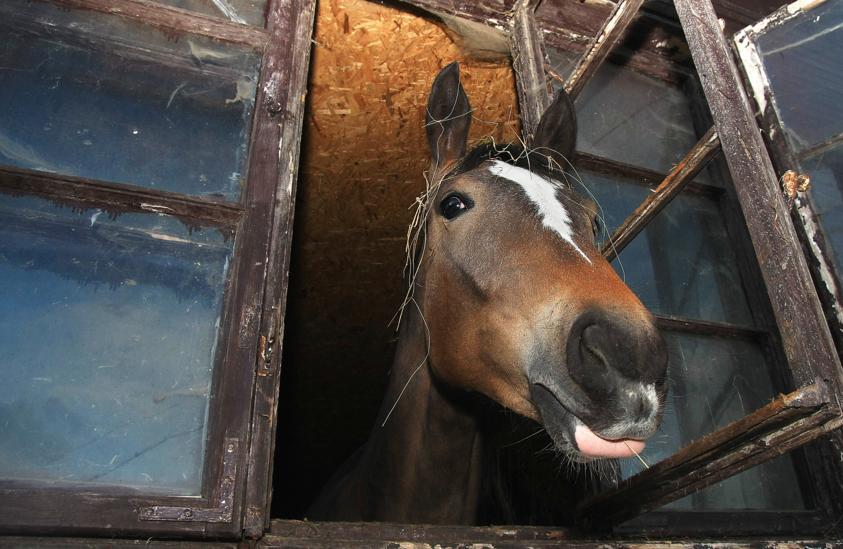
[573, 437]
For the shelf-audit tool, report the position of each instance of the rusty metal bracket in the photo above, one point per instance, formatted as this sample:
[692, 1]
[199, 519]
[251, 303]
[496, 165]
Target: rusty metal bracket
[222, 512]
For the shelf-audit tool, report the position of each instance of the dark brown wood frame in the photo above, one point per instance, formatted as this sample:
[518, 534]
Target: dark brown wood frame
[826, 277]
[237, 447]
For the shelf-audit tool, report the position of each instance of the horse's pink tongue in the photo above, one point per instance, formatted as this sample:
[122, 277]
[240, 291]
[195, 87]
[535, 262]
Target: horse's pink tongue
[593, 446]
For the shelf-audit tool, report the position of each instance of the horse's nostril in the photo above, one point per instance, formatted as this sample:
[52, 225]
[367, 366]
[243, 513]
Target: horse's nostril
[605, 349]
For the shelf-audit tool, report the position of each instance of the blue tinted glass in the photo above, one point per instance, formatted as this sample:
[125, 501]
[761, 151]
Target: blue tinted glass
[108, 329]
[122, 103]
[713, 382]
[826, 171]
[682, 264]
[802, 59]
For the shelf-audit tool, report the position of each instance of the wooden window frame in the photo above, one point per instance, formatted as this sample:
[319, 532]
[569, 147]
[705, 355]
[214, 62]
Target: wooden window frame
[812, 369]
[235, 489]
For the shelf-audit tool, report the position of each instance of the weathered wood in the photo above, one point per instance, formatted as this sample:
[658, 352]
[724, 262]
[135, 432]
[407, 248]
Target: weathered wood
[495, 13]
[111, 543]
[805, 336]
[602, 43]
[822, 458]
[287, 533]
[706, 327]
[175, 21]
[115, 199]
[636, 174]
[675, 524]
[786, 423]
[679, 176]
[528, 63]
[292, 56]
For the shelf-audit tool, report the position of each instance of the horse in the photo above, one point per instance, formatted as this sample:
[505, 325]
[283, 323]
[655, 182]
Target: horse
[510, 301]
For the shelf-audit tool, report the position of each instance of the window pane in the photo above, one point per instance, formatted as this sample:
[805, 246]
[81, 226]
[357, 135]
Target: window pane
[802, 59]
[109, 100]
[249, 12]
[629, 117]
[712, 383]
[107, 336]
[682, 264]
[826, 171]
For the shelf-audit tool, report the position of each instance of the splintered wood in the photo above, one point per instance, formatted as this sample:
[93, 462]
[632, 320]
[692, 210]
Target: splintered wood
[364, 156]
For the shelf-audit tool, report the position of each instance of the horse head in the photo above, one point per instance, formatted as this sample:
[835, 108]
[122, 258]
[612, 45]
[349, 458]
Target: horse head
[519, 303]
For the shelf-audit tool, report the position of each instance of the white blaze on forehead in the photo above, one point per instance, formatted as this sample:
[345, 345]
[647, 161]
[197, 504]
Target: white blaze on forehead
[542, 193]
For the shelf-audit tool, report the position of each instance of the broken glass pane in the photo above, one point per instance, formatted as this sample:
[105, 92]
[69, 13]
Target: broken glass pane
[247, 12]
[108, 331]
[713, 382]
[682, 263]
[94, 96]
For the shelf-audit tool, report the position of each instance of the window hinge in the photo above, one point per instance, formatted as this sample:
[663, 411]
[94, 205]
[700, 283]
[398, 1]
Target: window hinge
[221, 512]
[265, 349]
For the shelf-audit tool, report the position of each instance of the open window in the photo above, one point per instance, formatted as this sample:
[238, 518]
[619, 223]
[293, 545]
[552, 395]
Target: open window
[734, 342]
[148, 154]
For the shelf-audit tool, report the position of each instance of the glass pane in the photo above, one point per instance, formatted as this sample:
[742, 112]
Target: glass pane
[93, 96]
[629, 117]
[248, 12]
[712, 383]
[802, 59]
[108, 329]
[682, 264]
[826, 171]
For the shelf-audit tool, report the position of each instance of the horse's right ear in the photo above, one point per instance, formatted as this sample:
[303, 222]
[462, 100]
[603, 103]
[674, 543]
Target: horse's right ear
[448, 118]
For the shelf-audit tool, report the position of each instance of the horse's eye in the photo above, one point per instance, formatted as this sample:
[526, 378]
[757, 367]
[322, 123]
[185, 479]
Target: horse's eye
[595, 227]
[454, 205]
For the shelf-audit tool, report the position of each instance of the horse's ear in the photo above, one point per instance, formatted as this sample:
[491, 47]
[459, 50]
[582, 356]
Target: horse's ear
[448, 118]
[556, 134]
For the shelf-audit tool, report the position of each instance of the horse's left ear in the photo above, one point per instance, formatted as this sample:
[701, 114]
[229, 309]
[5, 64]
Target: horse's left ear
[448, 118]
[556, 134]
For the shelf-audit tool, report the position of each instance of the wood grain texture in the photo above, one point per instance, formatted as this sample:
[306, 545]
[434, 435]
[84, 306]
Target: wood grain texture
[295, 58]
[528, 63]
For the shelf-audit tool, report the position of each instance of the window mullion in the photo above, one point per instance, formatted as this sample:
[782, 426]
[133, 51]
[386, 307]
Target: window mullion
[176, 21]
[117, 198]
[528, 64]
[601, 45]
[668, 189]
[706, 327]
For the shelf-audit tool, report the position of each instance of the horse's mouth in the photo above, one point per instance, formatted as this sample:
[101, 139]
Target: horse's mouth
[571, 435]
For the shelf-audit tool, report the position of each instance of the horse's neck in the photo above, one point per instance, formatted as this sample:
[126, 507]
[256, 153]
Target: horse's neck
[422, 463]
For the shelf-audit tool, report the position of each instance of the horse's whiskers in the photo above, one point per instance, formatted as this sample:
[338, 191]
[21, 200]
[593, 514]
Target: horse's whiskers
[631, 449]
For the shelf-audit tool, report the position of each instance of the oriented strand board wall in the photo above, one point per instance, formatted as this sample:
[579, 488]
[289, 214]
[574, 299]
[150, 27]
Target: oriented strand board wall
[363, 161]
